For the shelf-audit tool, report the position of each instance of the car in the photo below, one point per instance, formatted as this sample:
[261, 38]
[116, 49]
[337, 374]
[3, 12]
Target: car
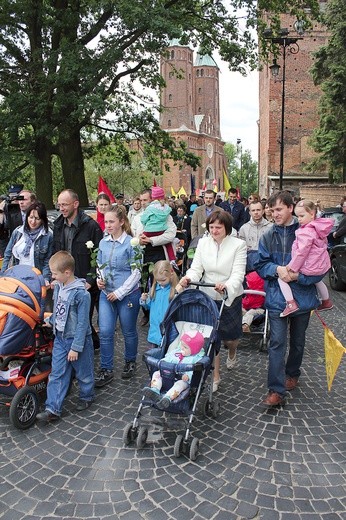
[337, 272]
[336, 214]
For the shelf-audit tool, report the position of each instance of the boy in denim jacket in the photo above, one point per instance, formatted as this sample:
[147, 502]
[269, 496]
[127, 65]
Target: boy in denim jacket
[73, 349]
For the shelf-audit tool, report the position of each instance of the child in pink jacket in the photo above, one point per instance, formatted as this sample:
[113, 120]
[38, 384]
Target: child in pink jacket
[309, 254]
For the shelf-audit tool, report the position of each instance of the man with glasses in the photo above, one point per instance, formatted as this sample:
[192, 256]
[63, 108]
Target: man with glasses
[72, 230]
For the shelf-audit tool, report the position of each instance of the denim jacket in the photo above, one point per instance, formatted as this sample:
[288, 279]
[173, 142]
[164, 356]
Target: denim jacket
[42, 251]
[77, 324]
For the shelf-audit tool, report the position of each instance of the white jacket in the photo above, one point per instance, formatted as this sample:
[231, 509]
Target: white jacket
[224, 263]
[252, 232]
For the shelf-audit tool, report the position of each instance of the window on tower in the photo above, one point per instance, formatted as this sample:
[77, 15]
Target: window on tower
[170, 97]
[202, 72]
[172, 55]
[169, 123]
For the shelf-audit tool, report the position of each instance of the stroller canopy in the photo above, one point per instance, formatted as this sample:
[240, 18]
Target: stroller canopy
[22, 297]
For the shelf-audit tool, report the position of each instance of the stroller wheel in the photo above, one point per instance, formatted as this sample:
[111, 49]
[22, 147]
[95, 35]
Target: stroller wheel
[215, 408]
[178, 446]
[206, 407]
[194, 448]
[24, 407]
[142, 437]
[129, 434]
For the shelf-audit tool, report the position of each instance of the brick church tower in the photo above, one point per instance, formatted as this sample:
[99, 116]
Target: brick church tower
[191, 114]
[300, 117]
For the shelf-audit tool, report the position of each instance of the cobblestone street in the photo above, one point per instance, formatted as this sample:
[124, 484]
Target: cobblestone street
[253, 463]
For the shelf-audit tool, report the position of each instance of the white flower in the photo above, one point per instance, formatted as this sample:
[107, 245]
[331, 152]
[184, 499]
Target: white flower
[89, 244]
[134, 241]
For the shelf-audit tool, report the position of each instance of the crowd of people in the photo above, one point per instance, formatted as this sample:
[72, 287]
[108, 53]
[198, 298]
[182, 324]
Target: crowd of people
[91, 268]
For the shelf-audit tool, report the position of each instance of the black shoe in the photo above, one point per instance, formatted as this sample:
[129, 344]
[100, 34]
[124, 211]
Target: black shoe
[82, 405]
[103, 377]
[129, 369]
[47, 416]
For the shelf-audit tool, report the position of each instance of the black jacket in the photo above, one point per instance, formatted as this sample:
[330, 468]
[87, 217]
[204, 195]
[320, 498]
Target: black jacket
[238, 214]
[88, 229]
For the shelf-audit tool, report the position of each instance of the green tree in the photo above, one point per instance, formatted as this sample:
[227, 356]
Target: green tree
[70, 66]
[242, 170]
[329, 71]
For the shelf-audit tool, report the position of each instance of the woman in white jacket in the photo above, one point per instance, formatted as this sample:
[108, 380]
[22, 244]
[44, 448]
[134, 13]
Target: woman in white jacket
[220, 259]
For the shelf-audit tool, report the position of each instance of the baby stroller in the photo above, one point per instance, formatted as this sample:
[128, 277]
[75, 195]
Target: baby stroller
[189, 311]
[260, 323]
[25, 347]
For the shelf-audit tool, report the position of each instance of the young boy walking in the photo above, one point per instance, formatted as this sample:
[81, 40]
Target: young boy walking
[73, 349]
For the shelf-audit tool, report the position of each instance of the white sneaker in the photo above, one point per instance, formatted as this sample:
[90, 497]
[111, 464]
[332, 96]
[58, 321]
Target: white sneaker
[231, 363]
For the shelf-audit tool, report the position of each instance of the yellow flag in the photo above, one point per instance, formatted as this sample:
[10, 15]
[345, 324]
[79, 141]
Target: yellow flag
[226, 183]
[181, 191]
[333, 353]
[173, 192]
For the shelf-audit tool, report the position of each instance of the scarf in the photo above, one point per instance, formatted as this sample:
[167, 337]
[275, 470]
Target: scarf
[30, 237]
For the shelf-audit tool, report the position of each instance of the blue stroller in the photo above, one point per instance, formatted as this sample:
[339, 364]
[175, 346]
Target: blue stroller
[189, 311]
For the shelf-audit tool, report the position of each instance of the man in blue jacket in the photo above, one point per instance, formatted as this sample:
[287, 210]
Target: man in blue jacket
[274, 253]
[235, 208]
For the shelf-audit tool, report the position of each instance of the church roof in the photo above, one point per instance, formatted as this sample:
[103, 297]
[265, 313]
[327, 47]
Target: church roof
[175, 42]
[204, 60]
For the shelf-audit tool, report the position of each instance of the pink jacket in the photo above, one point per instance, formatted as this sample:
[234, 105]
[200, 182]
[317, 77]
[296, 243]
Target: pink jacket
[309, 250]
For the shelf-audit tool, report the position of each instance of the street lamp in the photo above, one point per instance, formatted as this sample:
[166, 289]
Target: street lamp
[288, 46]
[239, 147]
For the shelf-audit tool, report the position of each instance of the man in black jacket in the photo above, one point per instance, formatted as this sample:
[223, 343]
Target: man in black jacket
[72, 230]
[235, 208]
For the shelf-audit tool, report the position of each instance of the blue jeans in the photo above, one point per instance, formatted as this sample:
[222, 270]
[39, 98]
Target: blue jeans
[127, 311]
[278, 369]
[62, 371]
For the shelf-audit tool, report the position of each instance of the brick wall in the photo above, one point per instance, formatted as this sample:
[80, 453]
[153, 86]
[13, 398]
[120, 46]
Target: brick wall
[329, 194]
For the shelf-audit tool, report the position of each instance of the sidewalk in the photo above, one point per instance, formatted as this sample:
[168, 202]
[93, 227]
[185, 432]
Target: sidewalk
[285, 464]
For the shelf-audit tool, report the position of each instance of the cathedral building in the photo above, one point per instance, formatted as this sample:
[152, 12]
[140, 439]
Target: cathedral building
[191, 113]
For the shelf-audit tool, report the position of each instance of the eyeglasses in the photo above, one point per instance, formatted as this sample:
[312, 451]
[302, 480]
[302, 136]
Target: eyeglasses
[64, 205]
[34, 218]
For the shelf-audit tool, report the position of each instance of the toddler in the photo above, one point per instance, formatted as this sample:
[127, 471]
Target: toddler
[309, 254]
[154, 219]
[189, 350]
[157, 301]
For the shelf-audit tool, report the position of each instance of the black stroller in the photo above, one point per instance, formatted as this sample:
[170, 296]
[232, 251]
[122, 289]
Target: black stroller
[190, 311]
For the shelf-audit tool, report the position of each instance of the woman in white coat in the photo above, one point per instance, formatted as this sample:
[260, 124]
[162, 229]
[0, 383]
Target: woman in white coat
[220, 259]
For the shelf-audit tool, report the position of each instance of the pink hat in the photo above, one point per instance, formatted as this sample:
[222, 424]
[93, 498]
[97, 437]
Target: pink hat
[157, 193]
[195, 342]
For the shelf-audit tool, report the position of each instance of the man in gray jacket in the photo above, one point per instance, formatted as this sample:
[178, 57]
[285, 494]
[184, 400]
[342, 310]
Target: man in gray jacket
[252, 231]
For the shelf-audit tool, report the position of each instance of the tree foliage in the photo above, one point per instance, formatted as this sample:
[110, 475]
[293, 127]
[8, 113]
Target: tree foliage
[74, 66]
[242, 169]
[329, 71]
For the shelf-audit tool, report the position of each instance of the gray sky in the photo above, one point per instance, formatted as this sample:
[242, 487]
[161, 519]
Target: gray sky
[239, 108]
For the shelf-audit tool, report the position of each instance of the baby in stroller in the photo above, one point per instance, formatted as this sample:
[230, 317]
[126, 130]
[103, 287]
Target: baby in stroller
[189, 350]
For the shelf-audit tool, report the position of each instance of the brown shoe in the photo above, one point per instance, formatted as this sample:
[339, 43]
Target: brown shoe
[273, 399]
[291, 382]
[326, 305]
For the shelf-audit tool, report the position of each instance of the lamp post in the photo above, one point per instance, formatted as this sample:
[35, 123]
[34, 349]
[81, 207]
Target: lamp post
[288, 46]
[239, 147]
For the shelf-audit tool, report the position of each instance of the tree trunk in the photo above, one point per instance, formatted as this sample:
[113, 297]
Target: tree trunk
[43, 172]
[72, 164]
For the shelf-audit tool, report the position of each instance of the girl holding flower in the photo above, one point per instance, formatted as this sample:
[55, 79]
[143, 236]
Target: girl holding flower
[118, 281]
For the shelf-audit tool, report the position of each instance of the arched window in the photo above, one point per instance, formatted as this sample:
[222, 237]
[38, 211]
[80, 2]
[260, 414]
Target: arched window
[197, 73]
[209, 177]
[202, 72]
[172, 55]
[169, 122]
[199, 91]
[170, 75]
[170, 97]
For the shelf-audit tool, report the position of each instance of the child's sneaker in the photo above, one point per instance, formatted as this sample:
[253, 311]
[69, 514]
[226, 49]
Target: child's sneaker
[151, 393]
[291, 307]
[326, 305]
[164, 403]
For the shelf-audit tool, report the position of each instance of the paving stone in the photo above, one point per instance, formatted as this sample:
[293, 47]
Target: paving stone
[285, 464]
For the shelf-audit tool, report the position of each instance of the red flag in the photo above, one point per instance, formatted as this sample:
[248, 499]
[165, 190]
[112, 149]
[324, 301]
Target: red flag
[102, 187]
[154, 183]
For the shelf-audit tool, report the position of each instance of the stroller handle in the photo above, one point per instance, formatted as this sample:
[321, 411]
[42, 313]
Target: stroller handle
[203, 284]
